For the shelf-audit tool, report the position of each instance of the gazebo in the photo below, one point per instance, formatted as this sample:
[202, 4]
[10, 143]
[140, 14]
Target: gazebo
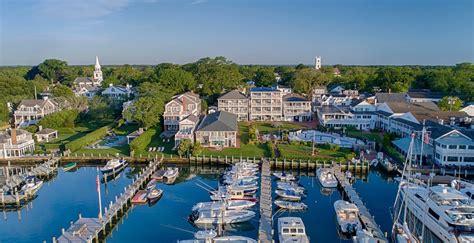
[46, 135]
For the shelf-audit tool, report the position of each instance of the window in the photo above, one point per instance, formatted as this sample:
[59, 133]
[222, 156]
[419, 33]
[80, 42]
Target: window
[471, 147]
[468, 159]
[443, 145]
[293, 230]
[437, 156]
[301, 231]
[452, 158]
[453, 146]
[435, 215]
[462, 147]
[286, 230]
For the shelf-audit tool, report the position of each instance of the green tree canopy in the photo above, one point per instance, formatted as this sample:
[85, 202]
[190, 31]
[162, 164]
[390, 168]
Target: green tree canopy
[305, 80]
[264, 77]
[53, 70]
[450, 103]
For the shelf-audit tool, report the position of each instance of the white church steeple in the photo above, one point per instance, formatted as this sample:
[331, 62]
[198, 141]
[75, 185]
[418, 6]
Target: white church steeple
[317, 63]
[97, 72]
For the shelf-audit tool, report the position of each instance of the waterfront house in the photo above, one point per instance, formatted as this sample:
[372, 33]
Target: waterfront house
[296, 108]
[46, 134]
[423, 95]
[359, 115]
[29, 112]
[234, 102]
[118, 93]
[218, 130]
[186, 129]
[16, 143]
[180, 107]
[265, 104]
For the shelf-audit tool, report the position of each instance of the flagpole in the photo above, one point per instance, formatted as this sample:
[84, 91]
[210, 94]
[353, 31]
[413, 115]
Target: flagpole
[422, 142]
[98, 192]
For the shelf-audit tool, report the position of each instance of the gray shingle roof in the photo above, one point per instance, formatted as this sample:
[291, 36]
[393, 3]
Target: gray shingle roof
[390, 97]
[294, 97]
[83, 80]
[46, 131]
[31, 103]
[233, 95]
[219, 121]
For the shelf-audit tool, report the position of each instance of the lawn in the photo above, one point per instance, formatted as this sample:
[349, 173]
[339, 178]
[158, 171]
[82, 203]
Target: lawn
[121, 150]
[125, 129]
[267, 127]
[289, 151]
[365, 135]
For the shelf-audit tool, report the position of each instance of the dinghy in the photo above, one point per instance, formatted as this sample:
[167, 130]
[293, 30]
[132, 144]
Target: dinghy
[158, 175]
[154, 195]
[151, 184]
[140, 197]
[70, 166]
[291, 205]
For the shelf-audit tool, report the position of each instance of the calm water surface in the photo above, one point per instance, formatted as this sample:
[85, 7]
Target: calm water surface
[69, 193]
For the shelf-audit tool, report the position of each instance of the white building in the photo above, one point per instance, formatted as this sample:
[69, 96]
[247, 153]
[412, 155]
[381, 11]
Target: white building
[180, 107]
[16, 143]
[361, 115]
[266, 104]
[296, 108]
[89, 86]
[118, 92]
[30, 112]
[317, 63]
[235, 102]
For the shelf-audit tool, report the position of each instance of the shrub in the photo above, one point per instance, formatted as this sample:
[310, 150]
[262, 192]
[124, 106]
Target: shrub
[269, 145]
[65, 130]
[140, 144]
[87, 139]
[59, 119]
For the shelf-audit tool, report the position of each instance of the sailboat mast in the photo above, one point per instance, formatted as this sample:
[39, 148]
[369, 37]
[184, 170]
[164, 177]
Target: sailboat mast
[97, 181]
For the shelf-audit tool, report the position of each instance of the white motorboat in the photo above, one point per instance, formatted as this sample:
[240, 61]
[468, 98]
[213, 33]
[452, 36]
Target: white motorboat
[326, 178]
[170, 175]
[347, 215]
[32, 185]
[463, 186]
[238, 177]
[290, 186]
[242, 181]
[210, 236]
[221, 216]
[246, 165]
[233, 239]
[291, 205]
[284, 176]
[289, 195]
[292, 229]
[364, 236]
[223, 194]
[228, 204]
[113, 166]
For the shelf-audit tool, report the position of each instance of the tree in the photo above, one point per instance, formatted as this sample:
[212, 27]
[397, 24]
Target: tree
[300, 66]
[184, 147]
[176, 80]
[146, 111]
[99, 109]
[450, 103]
[196, 149]
[62, 91]
[395, 79]
[305, 80]
[264, 77]
[53, 70]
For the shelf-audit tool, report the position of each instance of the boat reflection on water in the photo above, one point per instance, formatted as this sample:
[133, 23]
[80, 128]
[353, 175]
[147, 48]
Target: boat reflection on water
[240, 227]
[327, 191]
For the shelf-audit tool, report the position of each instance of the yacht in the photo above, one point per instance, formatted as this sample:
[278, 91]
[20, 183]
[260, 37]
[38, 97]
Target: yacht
[326, 178]
[221, 216]
[446, 214]
[32, 185]
[228, 204]
[236, 194]
[292, 229]
[114, 165]
[347, 215]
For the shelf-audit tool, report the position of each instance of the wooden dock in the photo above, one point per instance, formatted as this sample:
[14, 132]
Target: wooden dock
[365, 217]
[265, 230]
[11, 196]
[93, 229]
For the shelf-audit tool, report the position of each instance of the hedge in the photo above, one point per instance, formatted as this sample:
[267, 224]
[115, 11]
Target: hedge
[65, 130]
[64, 118]
[51, 146]
[87, 139]
[140, 143]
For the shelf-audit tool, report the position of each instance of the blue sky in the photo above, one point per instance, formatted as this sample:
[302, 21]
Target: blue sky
[246, 31]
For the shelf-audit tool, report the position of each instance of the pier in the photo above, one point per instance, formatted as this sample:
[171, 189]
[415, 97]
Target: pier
[265, 230]
[11, 195]
[92, 229]
[365, 217]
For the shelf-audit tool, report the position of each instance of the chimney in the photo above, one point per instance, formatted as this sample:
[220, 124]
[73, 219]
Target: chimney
[184, 103]
[389, 90]
[13, 135]
[40, 128]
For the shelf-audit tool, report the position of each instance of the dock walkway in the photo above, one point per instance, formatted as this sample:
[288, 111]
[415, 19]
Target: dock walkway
[265, 231]
[90, 229]
[365, 217]
[11, 196]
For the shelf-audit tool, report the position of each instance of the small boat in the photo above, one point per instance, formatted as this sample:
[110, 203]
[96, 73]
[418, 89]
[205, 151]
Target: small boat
[284, 177]
[113, 166]
[233, 238]
[347, 215]
[221, 216]
[158, 175]
[290, 187]
[241, 181]
[228, 204]
[291, 205]
[152, 184]
[70, 166]
[402, 234]
[210, 236]
[32, 185]
[154, 195]
[292, 229]
[170, 175]
[326, 178]
[140, 197]
[288, 195]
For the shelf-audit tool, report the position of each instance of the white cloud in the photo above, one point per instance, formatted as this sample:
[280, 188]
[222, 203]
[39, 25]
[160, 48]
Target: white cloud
[81, 8]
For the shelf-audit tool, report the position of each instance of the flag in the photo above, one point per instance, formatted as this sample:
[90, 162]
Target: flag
[426, 138]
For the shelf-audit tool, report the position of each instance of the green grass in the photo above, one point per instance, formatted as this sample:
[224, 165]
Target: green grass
[365, 135]
[267, 127]
[121, 150]
[290, 151]
[125, 129]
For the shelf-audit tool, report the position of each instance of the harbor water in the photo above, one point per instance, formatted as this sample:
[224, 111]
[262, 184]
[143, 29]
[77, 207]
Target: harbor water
[66, 195]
